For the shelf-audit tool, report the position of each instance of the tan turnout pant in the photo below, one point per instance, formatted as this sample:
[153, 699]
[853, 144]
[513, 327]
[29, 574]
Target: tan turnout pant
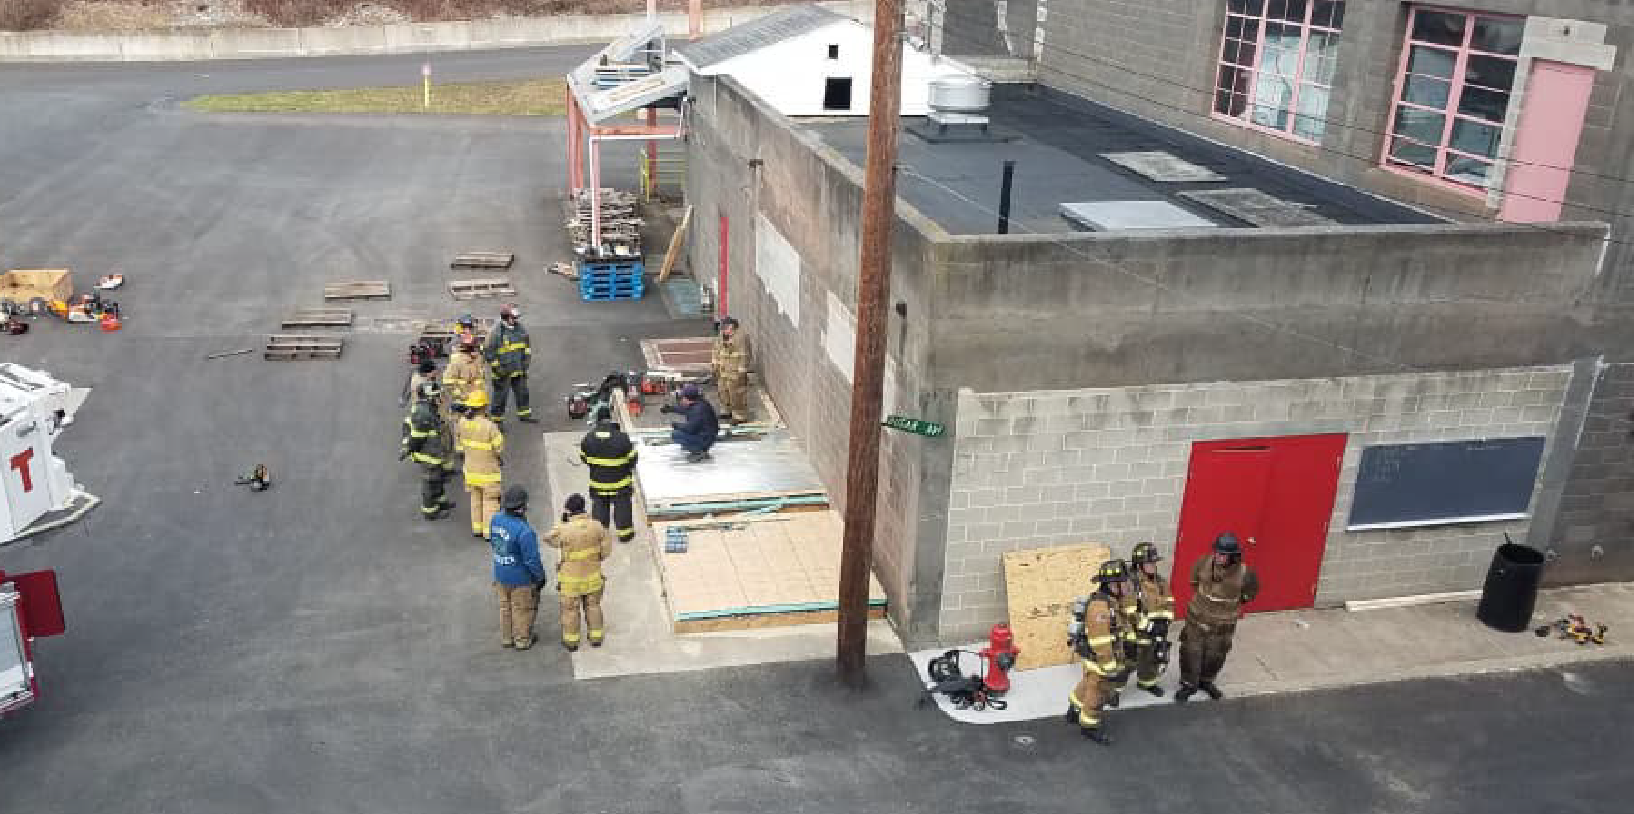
[518, 604]
[591, 605]
[484, 499]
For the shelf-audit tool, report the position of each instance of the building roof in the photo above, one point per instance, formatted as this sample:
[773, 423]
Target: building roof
[1069, 150]
[756, 34]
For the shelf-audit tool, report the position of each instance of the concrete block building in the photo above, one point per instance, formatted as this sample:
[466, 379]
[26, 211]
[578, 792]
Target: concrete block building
[1180, 335]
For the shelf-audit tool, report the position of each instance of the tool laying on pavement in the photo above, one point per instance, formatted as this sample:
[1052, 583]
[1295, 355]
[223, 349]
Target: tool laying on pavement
[965, 691]
[258, 479]
[226, 353]
[1575, 627]
[675, 540]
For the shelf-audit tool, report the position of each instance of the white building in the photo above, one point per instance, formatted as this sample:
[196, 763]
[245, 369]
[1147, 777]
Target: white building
[809, 61]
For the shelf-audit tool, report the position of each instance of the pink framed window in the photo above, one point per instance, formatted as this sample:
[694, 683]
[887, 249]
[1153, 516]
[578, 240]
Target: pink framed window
[1277, 59]
[1452, 93]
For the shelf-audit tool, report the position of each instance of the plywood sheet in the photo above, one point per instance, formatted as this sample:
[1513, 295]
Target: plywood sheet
[1040, 585]
[754, 571]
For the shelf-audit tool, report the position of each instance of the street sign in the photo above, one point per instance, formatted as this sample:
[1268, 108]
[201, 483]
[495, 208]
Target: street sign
[917, 426]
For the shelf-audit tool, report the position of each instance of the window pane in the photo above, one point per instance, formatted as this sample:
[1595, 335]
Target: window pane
[1280, 61]
[1422, 125]
[1431, 62]
[1238, 28]
[1490, 72]
[1496, 36]
[1438, 27]
[1482, 103]
[1272, 96]
[1230, 104]
[1250, 7]
[1409, 152]
[1313, 108]
[1422, 90]
[1467, 170]
[1474, 137]
[1329, 13]
[1319, 70]
[1274, 9]
[1295, 11]
[1323, 45]
[1282, 35]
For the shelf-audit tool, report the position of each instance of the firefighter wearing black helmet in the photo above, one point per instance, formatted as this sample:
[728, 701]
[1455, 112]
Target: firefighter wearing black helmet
[1155, 614]
[1096, 636]
[1221, 585]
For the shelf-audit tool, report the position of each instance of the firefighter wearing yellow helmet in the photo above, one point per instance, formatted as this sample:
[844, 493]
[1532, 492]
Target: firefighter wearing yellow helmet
[483, 444]
[1096, 636]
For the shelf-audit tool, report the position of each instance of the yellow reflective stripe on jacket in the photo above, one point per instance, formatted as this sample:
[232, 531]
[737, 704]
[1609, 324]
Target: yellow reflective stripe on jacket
[469, 444]
[610, 487]
[584, 554]
[626, 458]
[482, 477]
[421, 457]
[1102, 640]
[513, 346]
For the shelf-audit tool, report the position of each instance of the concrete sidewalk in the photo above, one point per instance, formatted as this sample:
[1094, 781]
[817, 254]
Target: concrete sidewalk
[1333, 647]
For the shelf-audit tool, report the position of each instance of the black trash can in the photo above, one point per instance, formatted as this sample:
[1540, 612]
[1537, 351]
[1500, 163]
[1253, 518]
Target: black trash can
[1511, 590]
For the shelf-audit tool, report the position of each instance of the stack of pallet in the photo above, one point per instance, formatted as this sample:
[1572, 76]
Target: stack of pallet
[611, 280]
[620, 226]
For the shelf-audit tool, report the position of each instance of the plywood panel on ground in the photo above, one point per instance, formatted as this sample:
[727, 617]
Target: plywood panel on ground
[756, 571]
[1040, 585]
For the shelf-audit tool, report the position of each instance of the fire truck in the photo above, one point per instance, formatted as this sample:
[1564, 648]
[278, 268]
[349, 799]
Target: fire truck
[39, 494]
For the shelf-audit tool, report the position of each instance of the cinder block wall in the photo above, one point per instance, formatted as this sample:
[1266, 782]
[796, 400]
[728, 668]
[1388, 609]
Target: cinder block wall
[1108, 465]
[805, 196]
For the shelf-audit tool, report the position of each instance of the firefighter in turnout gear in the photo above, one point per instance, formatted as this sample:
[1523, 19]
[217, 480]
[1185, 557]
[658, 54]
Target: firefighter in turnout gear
[426, 442]
[465, 374]
[1096, 637]
[483, 445]
[509, 353]
[611, 457]
[1155, 603]
[584, 545]
[1221, 585]
[730, 362]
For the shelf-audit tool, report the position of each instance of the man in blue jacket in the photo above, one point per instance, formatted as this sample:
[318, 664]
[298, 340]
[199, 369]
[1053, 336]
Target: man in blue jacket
[519, 574]
[698, 427]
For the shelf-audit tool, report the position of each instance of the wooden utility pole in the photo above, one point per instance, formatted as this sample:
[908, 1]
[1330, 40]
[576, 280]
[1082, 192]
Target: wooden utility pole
[868, 365]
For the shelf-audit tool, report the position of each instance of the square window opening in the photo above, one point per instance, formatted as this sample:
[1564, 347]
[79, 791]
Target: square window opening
[833, 51]
[837, 93]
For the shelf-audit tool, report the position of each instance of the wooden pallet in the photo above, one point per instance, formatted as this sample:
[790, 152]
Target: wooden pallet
[442, 330]
[290, 347]
[358, 290]
[318, 318]
[488, 287]
[483, 260]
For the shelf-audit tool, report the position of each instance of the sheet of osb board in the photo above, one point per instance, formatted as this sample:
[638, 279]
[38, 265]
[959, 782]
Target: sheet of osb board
[1040, 585]
[785, 564]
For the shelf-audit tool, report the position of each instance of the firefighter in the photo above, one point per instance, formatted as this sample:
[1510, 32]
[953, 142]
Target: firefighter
[426, 442]
[425, 371]
[465, 373]
[1155, 614]
[729, 360]
[1096, 636]
[1221, 585]
[484, 448]
[611, 457]
[509, 353]
[519, 574]
[584, 545]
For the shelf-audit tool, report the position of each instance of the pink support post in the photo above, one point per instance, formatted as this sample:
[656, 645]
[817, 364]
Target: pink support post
[595, 195]
[652, 153]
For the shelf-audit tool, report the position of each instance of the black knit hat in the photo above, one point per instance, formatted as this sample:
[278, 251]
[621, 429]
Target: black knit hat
[574, 504]
[515, 499]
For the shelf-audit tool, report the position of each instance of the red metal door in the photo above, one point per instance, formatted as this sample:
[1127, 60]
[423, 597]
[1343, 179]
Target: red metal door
[1276, 495]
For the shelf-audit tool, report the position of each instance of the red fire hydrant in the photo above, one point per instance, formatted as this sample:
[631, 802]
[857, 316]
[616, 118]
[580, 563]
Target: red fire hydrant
[1000, 653]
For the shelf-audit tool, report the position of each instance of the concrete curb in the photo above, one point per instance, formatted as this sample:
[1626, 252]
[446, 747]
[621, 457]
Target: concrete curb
[1575, 655]
[262, 43]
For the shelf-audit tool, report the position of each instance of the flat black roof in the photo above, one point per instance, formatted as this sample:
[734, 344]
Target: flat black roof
[1058, 146]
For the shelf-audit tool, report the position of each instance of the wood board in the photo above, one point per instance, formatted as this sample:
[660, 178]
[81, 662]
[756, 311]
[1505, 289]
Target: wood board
[676, 240]
[358, 290]
[1040, 586]
[290, 347]
[756, 573]
[483, 260]
[319, 318]
[485, 287]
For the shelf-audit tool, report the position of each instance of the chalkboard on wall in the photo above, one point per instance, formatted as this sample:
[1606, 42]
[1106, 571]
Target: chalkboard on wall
[1402, 485]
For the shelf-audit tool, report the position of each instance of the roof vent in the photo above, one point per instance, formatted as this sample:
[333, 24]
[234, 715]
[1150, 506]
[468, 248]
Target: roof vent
[1113, 216]
[1258, 208]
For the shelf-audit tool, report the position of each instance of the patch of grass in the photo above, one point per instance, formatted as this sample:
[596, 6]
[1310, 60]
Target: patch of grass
[535, 97]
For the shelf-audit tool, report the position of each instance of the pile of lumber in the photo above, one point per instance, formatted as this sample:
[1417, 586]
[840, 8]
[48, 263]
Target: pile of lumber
[620, 225]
